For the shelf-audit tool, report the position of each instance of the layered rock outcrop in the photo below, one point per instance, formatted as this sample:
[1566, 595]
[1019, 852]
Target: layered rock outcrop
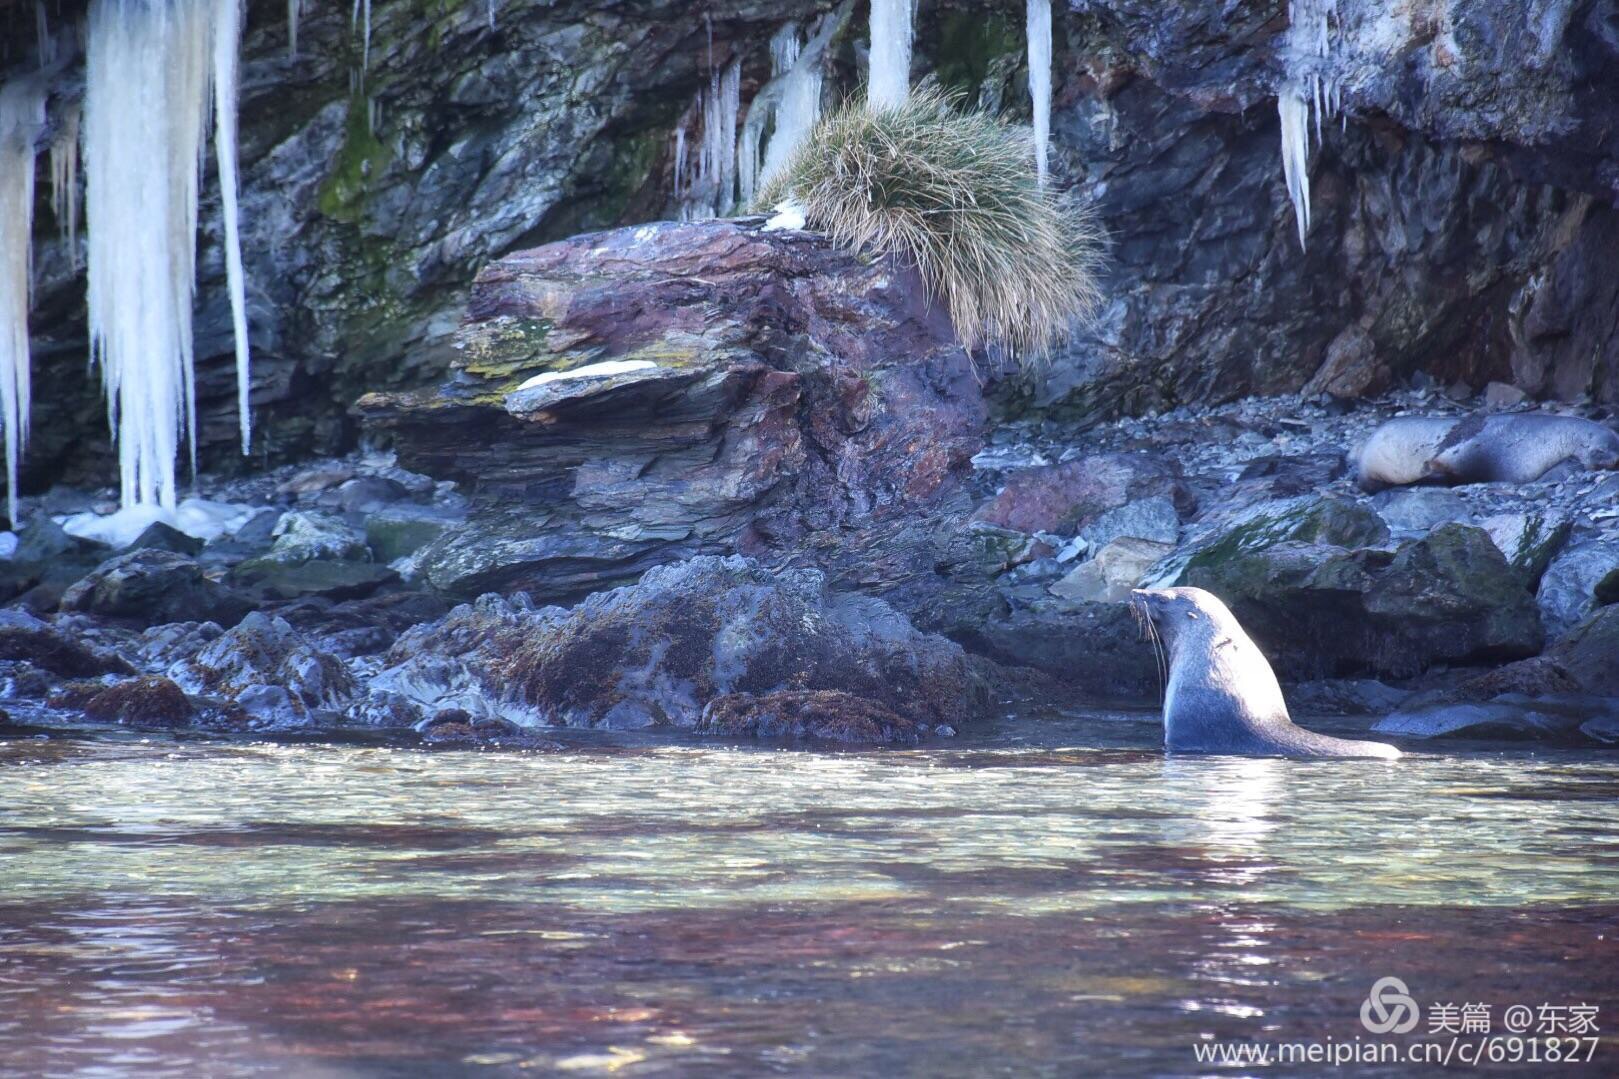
[625, 399]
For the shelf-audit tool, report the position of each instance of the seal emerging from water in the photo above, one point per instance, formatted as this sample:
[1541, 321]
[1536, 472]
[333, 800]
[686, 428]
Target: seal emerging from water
[1517, 447]
[1222, 696]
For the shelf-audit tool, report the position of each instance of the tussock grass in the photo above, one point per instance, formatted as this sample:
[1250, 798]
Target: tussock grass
[953, 192]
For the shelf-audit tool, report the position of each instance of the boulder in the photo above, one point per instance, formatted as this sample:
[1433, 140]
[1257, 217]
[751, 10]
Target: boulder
[1417, 510]
[153, 586]
[1325, 611]
[273, 579]
[1582, 578]
[401, 530]
[1529, 540]
[657, 653]
[150, 702]
[367, 494]
[271, 671]
[1230, 532]
[48, 559]
[303, 536]
[1155, 519]
[161, 537]
[631, 398]
[1589, 653]
[1066, 498]
[1110, 576]
[27, 639]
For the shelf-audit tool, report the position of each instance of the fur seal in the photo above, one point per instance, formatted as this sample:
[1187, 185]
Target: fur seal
[1222, 696]
[1515, 447]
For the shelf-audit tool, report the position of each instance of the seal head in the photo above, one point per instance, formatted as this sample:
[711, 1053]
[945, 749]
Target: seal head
[1222, 696]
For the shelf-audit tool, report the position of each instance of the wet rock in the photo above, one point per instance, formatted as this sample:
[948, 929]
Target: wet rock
[1582, 578]
[304, 536]
[273, 579]
[1097, 650]
[1417, 510]
[152, 586]
[1589, 653]
[400, 531]
[455, 726]
[1230, 533]
[1529, 540]
[657, 652]
[367, 494]
[1154, 519]
[28, 639]
[821, 715]
[1116, 569]
[160, 537]
[1067, 497]
[46, 559]
[313, 481]
[270, 670]
[1322, 611]
[635, 397]
[1344, 697]
[150, 702]
[1558, 719]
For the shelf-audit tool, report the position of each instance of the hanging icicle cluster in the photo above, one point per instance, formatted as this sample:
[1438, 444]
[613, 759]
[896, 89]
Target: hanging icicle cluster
[889, 81]
[1310, 90]
[22, 118]
[707, 187]
[150, 66]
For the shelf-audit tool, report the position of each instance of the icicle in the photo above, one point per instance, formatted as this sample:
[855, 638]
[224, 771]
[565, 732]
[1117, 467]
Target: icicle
[1296, 154]
[798, 109]
[295, 9]
[796, 115]
[22, 115]
[492, 5]
[362, 8]
[680, 161]
[747, 162]
[1311, 92]
[716, 159]
[65, 180]
[45, 44]
[784, 49]
[889, 82]
[227, 43]
[1039, 31]
[148, 74]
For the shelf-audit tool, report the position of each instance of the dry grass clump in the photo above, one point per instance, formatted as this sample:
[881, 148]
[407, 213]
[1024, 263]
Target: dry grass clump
[955, 193]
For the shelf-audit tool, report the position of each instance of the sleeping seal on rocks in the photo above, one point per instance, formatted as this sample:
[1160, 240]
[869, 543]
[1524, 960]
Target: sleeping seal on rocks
[1517, 447]
[1222, 696]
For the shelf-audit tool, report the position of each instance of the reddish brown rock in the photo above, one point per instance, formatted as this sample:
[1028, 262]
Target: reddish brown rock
[1064, 498]
[769, 395]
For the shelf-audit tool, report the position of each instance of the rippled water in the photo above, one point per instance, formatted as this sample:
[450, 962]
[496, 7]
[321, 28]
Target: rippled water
[1018, 902]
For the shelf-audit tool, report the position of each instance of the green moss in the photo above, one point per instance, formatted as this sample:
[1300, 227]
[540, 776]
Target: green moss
[342, 196]
[506, 347]
[968, 44]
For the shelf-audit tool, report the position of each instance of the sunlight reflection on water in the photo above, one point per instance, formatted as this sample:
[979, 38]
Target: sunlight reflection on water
[257, 908]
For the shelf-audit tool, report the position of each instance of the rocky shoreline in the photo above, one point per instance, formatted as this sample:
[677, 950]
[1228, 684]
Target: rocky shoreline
[722, 479]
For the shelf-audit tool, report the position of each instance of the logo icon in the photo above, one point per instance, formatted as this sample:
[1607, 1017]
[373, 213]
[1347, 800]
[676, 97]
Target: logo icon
[1388, 1008]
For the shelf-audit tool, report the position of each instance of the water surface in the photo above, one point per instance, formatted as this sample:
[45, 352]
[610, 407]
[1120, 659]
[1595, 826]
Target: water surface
[1047, 897]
